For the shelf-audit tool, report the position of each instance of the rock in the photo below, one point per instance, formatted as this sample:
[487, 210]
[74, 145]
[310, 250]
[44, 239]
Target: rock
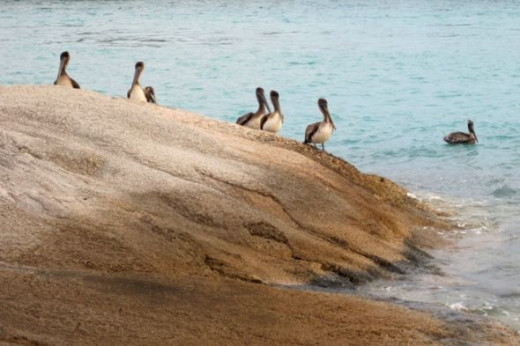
[102, 196]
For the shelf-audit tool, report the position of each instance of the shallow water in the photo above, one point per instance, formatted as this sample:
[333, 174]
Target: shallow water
[398, 76]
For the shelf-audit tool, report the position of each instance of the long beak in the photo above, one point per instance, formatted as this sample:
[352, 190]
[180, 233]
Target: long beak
[325, 110]
[60, 70]
[137, 75]
[276, 103]
[332, 122]
[264, 100]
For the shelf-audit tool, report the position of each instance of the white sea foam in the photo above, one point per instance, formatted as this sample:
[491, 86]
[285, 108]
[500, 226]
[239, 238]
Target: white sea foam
[458, 307]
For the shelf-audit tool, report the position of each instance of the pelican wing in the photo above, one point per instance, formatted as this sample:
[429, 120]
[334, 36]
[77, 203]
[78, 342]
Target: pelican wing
[264, 120]
[75, 84]
[457, 137]
[310, 131]
[245, 118]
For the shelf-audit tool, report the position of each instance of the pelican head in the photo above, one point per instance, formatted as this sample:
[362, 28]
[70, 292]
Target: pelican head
[149, 92]
[261, 98]
[324, 107]
[64, 61]
[139, 67]
[322, 103]
[471, 129]
[65, 55]
[275, 97]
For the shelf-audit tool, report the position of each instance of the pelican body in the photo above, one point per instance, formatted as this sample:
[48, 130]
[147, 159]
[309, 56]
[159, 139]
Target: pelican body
[63, 78]
[136, 92]
[252, 120]
[319, 133]
[462, 137]
[272, 122]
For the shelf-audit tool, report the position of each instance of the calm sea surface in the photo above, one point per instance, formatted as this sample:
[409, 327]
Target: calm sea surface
[398, 76]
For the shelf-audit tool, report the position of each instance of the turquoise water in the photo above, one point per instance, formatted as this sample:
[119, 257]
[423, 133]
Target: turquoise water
[398, 76]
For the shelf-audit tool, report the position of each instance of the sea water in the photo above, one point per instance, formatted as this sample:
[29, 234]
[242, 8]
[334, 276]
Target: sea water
[398, 76]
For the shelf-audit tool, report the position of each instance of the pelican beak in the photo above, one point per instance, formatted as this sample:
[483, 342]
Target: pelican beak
[264, 100]
[60, 69]
[62, 63]
[325, 108]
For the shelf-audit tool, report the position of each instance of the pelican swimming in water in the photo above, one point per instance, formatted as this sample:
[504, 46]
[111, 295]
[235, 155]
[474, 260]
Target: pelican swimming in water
[272, 122]
[252, 120]
[63, 78]
[136, 92]
[321, 131]
[462, 137]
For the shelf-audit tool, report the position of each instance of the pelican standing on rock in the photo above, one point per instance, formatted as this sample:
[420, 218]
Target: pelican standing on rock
[63, 78]
[461, 137]
[150, 94]
[321, 131]
[136, 92]
[252, 120]
[272, 122]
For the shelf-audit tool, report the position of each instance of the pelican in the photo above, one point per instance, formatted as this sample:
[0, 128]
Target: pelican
[136, 92]
[63, 78]
[321, 131]
[461, 137]
[252, 120]
[272, 122]
[150, 94]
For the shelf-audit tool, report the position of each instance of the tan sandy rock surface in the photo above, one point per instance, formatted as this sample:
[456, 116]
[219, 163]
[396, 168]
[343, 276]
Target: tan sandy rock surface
[126, 223]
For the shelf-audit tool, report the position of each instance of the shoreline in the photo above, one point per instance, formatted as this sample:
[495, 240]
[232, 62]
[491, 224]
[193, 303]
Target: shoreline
[458, 278]
[168, 212]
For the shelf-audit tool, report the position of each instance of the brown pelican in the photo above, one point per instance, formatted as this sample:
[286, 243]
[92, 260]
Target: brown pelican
[63, 78]
[461, 137]
[136, 92]
[252, 120]
[150, 94]
[272, 122]
[320, 132]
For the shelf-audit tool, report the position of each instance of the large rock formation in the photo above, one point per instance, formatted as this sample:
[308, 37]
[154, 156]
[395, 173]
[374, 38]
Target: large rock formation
[141, 224]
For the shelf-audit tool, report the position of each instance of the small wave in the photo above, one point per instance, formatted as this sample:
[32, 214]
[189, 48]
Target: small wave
[458, 307]
[427, 196]
[504, 192]
[272, 33]
[488, 309]
[411, 195]
[496, 181]
[510, 295]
